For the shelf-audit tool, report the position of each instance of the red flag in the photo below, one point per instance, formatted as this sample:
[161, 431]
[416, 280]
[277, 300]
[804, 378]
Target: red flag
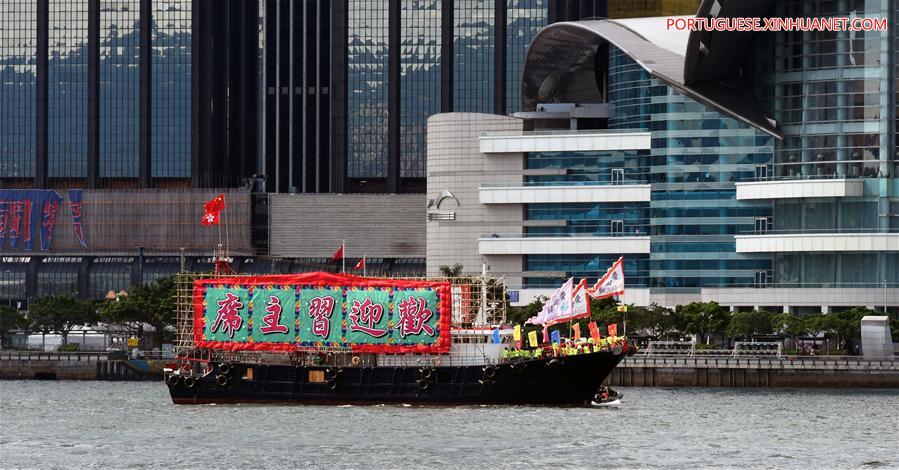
[613, 329]
[360, 265]
[216, 204]
[577, 330]
[594, 331]
[338, 255]
[210, 218]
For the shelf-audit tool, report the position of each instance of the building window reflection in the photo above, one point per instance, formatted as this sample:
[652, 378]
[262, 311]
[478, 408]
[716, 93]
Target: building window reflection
[473, 55]
[171, 87]
[524, 19]
[367, 88]
[67, 89]
[18, 88]
[119, 88]
[419, 80]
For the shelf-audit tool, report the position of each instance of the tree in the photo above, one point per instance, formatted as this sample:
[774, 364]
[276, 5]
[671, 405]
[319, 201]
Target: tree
[454, 271]
[704, 319]
[792, 325]
[61, 313]
[150, 304]
[10, 319]
[747, 324]
[518, 315]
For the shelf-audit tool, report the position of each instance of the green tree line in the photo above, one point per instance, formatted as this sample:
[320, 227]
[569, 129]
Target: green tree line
[145, 312]
[710, 322]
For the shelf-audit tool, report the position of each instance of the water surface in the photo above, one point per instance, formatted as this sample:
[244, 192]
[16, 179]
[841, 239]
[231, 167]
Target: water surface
[134, 425]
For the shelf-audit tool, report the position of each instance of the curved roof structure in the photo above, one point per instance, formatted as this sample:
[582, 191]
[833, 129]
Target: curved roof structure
[719, 55]
[565, 63]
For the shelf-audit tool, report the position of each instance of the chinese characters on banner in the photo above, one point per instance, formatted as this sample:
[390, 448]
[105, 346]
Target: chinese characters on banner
[29, 215]
[288, 312]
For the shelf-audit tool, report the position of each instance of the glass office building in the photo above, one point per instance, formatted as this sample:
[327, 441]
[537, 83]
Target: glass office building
[381, 69]
[759, 170]
[100, 94]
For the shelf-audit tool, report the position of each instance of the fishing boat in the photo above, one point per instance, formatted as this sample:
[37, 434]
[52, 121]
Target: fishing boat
[336, 339]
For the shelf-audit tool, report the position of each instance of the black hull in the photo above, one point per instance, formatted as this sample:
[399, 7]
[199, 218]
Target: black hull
[569, 380]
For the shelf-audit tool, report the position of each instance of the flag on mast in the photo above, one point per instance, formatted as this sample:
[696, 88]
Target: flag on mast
[557, 306]
[611, 284]
[213, 207]
[360, 265]
[338, 255]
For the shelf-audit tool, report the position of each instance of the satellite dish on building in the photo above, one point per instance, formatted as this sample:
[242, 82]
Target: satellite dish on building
[547, 91]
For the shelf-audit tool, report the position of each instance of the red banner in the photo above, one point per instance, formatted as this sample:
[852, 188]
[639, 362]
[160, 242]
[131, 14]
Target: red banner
[322, 310]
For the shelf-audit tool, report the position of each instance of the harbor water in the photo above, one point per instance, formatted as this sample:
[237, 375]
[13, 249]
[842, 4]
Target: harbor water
[134, 425]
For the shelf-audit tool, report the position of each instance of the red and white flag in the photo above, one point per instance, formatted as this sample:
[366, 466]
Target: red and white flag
[338, 255]
[213, 207]
[215, 204]
[360, 265]
[611, 284]
[210, 218]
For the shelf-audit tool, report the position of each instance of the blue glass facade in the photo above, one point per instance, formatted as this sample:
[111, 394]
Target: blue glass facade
[830, 93]
[67, 89]
[524, 18]
[367, 89]
[474, 23]
[834, 96]
[171, 85]
[18, 87]
[584, 267]
[420, 70]
[119, 86]
[697, 155]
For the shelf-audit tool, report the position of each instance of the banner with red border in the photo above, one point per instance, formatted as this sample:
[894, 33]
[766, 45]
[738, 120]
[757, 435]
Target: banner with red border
[317, 311]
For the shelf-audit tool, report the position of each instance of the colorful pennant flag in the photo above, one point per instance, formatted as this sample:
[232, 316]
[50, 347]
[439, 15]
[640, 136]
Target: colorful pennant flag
[622, 308]
[555, 337]
[611, 284]
[594, 331]
[496, 338]
[532, 338]
[545, 334]
[613, 329]
[516, 333]
[557, 306]
[576, 328]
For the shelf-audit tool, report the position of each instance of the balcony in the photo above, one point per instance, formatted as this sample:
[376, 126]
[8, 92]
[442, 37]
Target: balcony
[796, 188]
[563, 193]
[565, 141]
[777, 242]
[562, 245]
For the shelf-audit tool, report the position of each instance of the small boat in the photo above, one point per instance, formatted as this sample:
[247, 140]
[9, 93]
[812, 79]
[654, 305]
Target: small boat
[607, 397]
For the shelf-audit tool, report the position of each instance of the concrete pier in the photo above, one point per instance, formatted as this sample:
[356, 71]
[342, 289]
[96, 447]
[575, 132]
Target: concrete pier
[69, 366]
[802, 372]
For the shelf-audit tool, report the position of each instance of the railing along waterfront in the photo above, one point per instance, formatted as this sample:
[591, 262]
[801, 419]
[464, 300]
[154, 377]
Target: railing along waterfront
[53, 356]
[762, 362]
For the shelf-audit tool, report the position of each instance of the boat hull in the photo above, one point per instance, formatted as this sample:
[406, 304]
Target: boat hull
[564, 380]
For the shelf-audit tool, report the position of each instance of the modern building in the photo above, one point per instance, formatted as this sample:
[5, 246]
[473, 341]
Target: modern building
[147, 108]
[349, 85]
[718, 169]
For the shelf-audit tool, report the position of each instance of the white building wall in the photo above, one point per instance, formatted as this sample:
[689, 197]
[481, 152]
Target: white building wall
[456, 164]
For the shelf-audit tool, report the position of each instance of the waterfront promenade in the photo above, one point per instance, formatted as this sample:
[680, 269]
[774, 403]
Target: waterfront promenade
[761, 371]
[655, 370]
